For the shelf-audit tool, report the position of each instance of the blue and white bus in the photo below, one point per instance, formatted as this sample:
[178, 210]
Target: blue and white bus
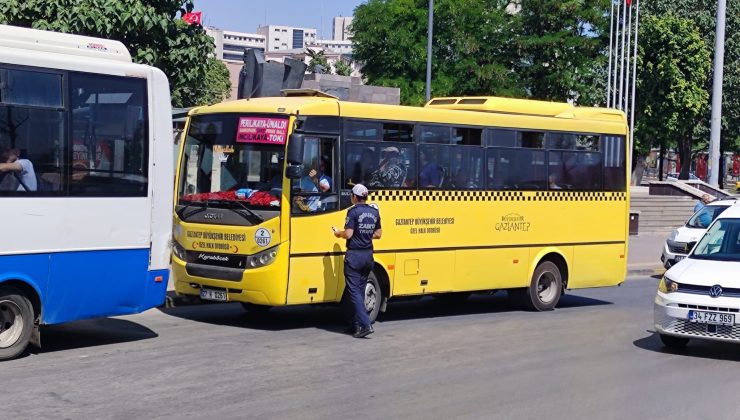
[86, 183]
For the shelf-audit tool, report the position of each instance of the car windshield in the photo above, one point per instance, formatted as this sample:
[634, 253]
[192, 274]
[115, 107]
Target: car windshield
[704, 217]
[721, 242]
[233, 157]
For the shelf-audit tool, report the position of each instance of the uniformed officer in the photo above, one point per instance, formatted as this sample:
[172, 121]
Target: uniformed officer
[360, 228]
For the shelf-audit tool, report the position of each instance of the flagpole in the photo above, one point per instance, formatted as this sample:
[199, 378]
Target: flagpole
[621, 64]
[609, 73]
[616, 60]
[634, 79]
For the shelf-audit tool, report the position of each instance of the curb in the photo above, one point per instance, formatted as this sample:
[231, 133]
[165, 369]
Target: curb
[645, 271]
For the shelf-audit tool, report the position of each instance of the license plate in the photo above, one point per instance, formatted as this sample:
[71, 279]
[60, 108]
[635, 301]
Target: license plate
[679, 257]
[217, 295]
[714, 318]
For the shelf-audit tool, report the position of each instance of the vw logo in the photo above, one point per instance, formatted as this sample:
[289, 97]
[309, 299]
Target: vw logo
[715, 291]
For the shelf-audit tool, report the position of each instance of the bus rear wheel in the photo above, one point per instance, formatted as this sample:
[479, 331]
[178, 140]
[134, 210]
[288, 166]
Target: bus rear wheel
[16, 322]
[373, 300]
[545, 289]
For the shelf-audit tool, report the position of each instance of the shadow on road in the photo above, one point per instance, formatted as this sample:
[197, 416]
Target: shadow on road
[329, 317]
[90, 333]
[704, 349]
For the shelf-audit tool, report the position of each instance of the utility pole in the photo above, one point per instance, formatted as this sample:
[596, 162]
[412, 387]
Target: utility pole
[719, 60]
[429, 51]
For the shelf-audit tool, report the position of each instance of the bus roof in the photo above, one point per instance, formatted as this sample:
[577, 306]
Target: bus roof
[62, 43]
[500, 105]
[546, 115]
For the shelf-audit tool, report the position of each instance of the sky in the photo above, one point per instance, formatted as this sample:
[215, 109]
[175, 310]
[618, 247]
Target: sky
[247, 15]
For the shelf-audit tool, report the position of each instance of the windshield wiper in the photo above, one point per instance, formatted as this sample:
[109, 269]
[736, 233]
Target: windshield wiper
[181, 212]
[251, 214]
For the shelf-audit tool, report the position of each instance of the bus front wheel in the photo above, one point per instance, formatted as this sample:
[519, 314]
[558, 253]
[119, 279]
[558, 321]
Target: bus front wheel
[16, 322]
[545, 289]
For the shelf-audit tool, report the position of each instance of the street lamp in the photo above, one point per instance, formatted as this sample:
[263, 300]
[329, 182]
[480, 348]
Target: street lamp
[719, 60]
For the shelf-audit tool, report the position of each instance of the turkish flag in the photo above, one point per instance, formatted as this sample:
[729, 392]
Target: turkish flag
[629, 2]
[192, 18]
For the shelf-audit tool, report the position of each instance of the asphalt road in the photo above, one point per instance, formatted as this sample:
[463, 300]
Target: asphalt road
[595, 357]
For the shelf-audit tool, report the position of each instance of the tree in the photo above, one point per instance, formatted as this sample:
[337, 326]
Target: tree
[342, 67]
[703, 14]
[472, 50]
[549, 49]
[563, 45]
[674, 63]
[152, 30]
[317, 58]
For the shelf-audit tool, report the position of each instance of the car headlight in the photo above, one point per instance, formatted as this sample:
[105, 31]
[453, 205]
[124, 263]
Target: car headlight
[178, 250]
[667, 285]
[262, 259]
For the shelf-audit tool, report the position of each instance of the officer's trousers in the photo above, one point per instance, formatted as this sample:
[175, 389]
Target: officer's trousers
[357, 266]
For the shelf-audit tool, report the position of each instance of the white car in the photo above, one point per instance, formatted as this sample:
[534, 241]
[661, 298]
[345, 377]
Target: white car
[699, 297]
[680, 241]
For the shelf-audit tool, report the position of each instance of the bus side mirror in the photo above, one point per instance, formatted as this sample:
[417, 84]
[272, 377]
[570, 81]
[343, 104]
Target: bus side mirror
[295, 149]
[294, 171]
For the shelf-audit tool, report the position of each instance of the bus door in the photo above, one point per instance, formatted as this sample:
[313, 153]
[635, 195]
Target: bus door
[316, 255]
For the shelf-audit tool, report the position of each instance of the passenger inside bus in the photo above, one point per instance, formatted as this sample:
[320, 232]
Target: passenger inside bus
[390, 173]
[431, 175]
[16, 174]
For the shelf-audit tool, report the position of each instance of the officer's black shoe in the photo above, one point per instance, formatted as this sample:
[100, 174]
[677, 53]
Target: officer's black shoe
[363, 332]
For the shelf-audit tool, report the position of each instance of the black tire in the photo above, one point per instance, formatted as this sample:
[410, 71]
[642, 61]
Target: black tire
[254, 309]
[673, 341]
[373, 298]
[16, 322]
[545, 289]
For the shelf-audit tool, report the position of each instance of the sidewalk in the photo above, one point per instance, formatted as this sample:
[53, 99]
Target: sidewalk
[644, 254]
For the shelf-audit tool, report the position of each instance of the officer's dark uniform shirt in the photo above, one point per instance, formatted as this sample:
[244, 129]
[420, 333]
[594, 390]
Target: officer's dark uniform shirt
[364, 220]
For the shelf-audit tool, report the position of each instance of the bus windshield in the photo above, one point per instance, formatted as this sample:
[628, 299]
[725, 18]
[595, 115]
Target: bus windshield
[231, 157]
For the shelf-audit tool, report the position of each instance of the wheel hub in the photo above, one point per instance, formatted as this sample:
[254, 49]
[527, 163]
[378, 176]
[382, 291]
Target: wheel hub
[11, 323]
[546, 290]
[371, 297]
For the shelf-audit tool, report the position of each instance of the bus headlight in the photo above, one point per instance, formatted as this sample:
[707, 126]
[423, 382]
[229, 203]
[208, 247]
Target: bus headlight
[667, 285]
[178, 250]
[262, 259]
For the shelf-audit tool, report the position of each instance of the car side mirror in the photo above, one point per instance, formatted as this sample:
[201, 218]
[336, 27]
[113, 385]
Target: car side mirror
[294, 171]
[295, 149]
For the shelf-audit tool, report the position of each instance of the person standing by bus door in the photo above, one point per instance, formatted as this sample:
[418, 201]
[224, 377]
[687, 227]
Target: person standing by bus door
[361, 226]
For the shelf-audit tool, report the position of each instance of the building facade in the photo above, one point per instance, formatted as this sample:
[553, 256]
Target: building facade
[230, 45]
[286, 37]
[340, 28]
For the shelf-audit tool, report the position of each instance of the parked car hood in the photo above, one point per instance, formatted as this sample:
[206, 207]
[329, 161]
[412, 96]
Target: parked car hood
[688, 234]
[706, 272]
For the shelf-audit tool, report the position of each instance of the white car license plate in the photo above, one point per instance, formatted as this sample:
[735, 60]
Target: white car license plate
[714, 318]
[217, 295]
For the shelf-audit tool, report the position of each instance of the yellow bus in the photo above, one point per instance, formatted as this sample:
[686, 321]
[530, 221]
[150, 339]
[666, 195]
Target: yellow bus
[476, 194]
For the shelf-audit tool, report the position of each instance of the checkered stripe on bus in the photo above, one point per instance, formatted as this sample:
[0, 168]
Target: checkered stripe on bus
[435, 195]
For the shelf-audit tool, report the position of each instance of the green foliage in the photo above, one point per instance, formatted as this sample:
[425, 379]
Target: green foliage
[563, 45]
[317, 58]
[703, 14]
[217, 86]
[549, 49]
[152, 30]
[674, 63]
[342, 68]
